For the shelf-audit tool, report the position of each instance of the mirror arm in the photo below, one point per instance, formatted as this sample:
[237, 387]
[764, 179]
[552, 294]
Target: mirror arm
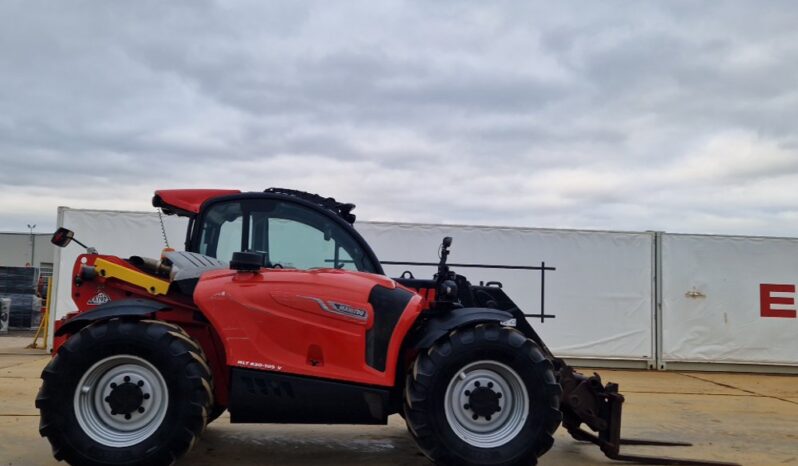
[89, 250]
[84, 246]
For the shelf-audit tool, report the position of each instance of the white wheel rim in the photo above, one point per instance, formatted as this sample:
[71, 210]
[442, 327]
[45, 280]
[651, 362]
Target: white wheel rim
[500, 399]
[125, 381]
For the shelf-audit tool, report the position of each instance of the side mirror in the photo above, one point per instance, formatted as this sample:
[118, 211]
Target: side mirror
[62, 237]
[447, 241]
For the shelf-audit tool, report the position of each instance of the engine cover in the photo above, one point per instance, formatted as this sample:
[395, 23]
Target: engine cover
[326, 323]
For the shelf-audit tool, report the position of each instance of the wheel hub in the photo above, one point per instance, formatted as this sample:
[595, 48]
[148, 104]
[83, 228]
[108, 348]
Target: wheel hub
[125, 398]
[484, 402]
[121, 400]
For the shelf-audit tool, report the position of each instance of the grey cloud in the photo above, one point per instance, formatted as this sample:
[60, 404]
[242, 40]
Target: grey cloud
[614, 115]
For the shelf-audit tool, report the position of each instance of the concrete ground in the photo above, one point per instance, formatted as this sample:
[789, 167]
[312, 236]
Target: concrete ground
[750, 419]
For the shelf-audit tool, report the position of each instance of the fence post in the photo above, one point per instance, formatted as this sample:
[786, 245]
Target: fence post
[658, 300]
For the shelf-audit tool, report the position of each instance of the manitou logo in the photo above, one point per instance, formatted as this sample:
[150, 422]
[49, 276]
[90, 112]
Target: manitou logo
[99, 299]
[767, 300]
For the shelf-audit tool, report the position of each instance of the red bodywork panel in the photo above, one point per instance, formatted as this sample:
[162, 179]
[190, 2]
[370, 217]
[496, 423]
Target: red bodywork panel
[276, 320]
[188, 201]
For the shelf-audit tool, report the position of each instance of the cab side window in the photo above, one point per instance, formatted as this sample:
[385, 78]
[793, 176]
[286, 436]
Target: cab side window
[222, 231]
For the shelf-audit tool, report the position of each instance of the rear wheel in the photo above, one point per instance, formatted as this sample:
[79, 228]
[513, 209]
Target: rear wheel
[123, 392]
[483, 395]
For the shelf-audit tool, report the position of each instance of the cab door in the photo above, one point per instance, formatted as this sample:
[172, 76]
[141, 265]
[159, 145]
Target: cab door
[304, 313]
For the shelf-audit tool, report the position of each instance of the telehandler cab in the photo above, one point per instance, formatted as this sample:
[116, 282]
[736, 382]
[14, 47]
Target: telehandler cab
[279, 312]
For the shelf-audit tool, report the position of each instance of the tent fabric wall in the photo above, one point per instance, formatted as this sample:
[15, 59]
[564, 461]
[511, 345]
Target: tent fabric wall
[713, 308]
[600, 294]
[712, 299]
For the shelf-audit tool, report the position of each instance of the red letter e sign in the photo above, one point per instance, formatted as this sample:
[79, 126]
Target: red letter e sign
[766, 300]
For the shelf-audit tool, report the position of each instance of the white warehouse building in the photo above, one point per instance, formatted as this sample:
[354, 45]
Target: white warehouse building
[25, 250]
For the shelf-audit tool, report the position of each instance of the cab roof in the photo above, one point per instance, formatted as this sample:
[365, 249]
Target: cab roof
[188, 202]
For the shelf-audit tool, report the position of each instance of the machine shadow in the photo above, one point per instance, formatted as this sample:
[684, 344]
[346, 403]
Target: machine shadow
[250, 444]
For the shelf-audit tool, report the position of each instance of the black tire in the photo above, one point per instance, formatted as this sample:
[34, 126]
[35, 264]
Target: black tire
[175, 360]
[433, 370]
[215, 412]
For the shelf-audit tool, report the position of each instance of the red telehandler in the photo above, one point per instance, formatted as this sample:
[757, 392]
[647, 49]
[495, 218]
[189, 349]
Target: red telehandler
[279, 312]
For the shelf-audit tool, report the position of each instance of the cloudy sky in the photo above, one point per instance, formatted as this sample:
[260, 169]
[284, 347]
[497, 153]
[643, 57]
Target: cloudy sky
[676, 116]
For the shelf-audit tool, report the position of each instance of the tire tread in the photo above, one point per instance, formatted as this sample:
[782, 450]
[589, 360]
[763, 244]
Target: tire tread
[189, 359]
[420, 379]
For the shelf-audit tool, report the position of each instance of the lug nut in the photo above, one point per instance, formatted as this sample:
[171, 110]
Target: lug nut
[498, 395]
[477, 384]
[113, 413]
[107, 399]
[113, 385]
[466, 406]
[498, 408]
[146, 396]
[487, 418]
[141, 409]
[141, 383]
[490, 384]
[468, 393]
[127, 378]
[475, 417]
[127, 417]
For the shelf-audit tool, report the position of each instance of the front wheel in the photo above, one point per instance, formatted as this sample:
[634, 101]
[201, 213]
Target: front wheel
[483, 395]
[121, 392]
